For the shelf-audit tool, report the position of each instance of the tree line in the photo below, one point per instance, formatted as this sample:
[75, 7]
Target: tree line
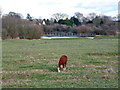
[13, 25]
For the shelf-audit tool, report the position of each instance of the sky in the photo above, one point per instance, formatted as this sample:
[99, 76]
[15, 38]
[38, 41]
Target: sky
[46, 8]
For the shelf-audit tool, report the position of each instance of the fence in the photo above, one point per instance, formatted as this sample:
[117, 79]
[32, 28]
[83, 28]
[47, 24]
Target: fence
[68, 34]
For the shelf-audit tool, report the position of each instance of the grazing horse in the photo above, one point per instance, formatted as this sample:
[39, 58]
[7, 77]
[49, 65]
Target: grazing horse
[62, 61]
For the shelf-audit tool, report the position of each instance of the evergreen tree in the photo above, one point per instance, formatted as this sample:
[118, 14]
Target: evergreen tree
[29, 17]
[76, 21]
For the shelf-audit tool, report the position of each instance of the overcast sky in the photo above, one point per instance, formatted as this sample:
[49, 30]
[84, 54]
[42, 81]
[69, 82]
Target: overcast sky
[45, 8]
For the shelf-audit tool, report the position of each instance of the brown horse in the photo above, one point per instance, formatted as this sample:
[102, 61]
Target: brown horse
[62, 61]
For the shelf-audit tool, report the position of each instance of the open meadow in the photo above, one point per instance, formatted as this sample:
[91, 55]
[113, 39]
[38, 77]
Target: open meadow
[92, 63]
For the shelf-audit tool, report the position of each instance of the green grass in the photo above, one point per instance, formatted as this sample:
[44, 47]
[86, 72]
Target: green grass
[108, 37]
[33, 63]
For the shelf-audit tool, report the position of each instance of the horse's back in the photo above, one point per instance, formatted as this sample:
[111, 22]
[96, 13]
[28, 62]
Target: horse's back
[63, 59]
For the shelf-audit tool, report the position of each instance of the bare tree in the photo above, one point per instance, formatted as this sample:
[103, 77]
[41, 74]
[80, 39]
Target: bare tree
[79, 16]
[0, 24]
[59, 16]
[92, 16]
[10, 24]
[0, 13]
[118, 16]
[30, 30]
[84, 29]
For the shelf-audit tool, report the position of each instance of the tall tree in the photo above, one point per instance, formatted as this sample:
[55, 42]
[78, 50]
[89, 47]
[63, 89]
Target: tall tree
[66, 22]
[79, 16]
[119, 17]
[10, 24]
[75, 21]
[58, 16]
[0, 24]
[16, 15]
[97, 21]
[0, 13]
[92, 16]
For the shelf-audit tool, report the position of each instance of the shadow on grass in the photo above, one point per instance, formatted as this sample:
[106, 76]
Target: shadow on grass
[53, 69]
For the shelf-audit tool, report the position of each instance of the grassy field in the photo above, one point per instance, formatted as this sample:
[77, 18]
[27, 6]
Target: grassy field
[33, 63]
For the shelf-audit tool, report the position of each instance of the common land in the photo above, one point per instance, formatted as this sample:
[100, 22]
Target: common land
[92, 63]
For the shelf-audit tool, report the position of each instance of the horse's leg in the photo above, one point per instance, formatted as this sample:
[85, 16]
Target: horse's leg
[59, 68]
[65, 67]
